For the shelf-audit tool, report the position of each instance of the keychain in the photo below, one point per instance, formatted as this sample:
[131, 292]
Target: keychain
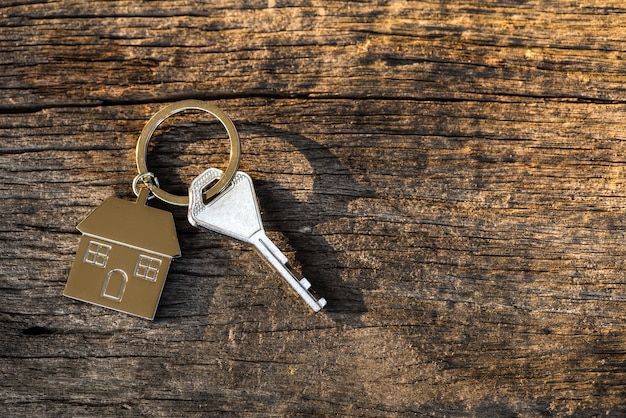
[126, 248]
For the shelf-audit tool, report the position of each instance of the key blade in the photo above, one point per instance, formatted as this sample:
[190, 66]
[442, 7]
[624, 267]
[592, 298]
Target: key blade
[234, 212]
[277, 259]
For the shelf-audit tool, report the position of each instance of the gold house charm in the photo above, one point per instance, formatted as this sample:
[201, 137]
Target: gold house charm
[124, 256]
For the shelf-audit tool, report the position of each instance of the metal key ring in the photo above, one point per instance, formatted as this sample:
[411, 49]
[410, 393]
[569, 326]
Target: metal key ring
[158, 118]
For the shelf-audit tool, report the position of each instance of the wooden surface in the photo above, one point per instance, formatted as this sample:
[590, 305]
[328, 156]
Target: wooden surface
[449, 175]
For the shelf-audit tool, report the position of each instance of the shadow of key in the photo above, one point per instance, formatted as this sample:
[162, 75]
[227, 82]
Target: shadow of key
[334, 187]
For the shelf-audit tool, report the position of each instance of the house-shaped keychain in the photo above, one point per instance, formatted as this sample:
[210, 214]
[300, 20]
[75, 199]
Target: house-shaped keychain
[123, 256]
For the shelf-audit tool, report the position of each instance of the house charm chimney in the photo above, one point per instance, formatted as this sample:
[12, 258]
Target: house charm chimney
[123, 256]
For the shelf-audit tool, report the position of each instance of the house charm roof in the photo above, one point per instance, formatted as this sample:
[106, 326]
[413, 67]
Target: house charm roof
[133, 224]
[123, 256]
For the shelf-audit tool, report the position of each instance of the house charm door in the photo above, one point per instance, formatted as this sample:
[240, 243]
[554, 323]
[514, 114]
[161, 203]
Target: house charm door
[123, 256]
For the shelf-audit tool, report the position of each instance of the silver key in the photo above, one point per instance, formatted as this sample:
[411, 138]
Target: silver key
[235, 213]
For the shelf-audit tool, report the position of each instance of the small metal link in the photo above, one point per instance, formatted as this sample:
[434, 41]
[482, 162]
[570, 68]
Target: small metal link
[149, 180]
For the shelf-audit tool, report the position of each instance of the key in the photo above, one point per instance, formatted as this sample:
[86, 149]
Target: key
[235, 213]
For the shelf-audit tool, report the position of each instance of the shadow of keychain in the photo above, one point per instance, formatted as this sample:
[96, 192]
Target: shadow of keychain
[126, 248]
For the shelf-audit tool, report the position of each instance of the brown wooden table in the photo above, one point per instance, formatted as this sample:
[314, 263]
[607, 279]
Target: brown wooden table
[449, 175]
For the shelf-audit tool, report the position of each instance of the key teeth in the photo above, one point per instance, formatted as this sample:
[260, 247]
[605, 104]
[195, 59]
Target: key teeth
[321, 302]
[305, 283]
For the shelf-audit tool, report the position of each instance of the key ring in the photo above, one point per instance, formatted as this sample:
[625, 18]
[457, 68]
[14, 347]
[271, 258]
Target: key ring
[156, 120]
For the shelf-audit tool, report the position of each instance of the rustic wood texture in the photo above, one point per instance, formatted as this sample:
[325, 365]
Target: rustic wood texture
[449, 175]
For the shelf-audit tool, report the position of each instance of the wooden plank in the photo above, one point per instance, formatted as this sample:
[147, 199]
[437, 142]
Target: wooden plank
[95, 52]
[449, 177]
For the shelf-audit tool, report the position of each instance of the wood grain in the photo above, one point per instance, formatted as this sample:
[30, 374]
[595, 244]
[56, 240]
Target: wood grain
[448, 176]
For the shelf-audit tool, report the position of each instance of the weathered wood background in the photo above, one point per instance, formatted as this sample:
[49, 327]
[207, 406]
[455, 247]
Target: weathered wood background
[449, 175]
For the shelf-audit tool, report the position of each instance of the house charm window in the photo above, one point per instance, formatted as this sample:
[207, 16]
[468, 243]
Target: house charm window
[97, 254]
[147, 268]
